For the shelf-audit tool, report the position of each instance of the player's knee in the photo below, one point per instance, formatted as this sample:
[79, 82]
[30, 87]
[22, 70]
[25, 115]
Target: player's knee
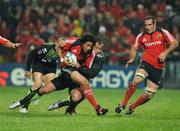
[139, 77]
[150, 93]
[84, 83]
[76, 95]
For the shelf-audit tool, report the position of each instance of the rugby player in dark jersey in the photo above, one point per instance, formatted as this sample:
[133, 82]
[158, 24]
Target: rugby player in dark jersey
[41, 65]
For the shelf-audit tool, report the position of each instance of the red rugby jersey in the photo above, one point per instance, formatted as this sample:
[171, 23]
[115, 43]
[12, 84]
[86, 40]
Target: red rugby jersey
[76, 49]
[3, 41]
[153, 43]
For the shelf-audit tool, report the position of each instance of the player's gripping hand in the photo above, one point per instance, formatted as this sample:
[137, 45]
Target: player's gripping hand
[129, 62]
[67, 62]
[16, 45]
[162, 57]
[28, 74]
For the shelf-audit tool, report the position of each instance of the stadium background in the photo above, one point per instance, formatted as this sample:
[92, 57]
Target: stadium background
[116, 22]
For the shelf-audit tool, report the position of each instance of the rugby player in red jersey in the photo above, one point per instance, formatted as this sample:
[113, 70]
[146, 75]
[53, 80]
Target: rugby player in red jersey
[89, 71]
[8, 43]
[155, 42]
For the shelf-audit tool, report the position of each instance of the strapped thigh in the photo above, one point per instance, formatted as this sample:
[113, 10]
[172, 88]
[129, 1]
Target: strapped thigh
[140, 75]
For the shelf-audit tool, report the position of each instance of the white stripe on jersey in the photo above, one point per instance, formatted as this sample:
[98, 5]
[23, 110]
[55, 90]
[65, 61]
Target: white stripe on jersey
[170, 37]
[136, 41]
[3, 38]
[71, 40]
[94, 54]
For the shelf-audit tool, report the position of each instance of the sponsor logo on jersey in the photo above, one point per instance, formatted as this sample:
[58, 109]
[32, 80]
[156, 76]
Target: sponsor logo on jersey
[144, 40]
[159, 36]
[153, 43]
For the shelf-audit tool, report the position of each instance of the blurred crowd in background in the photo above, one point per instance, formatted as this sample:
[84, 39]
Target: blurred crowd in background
[115, 22]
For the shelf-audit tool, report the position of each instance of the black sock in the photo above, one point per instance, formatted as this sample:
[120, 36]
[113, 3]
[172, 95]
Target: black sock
[27, 98]
[26, 105]
[64, 103]
[73, 104]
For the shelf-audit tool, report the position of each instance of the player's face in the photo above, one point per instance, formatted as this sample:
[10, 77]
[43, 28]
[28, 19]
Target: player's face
[87, 47]
[60, 42]
[98, 48]
[149, 25]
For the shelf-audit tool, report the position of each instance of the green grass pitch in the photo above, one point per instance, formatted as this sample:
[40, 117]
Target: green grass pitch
[162, 113]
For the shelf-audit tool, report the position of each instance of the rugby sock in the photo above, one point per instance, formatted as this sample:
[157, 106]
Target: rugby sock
[130, 91]
[27, 98]
[28, 103]
[141, 100]
[90, 97]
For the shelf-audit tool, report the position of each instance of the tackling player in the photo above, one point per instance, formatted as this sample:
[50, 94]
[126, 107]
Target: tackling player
[43, 62]
[154, 41]
[8, 43]
[76, 94]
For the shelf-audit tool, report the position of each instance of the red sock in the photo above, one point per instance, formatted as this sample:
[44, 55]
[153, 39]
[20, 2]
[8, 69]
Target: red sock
[141, 100]
[131, 89]
[90, 97]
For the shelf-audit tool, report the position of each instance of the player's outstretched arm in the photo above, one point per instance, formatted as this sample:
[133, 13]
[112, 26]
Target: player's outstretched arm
[9, 44]
[132, 56]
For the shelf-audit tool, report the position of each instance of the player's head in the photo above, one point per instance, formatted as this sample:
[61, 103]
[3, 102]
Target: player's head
[60, 42]
[150, 24]
[98, 46]
[87, 42]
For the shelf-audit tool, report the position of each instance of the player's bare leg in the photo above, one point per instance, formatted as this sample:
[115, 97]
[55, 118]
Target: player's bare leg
[140, 75]
[40, 91]
[149, 93]
[84, 84]
[76, 97]
[37, 78]
[44, 80]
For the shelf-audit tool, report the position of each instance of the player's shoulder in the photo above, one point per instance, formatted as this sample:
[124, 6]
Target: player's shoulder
[141, 34]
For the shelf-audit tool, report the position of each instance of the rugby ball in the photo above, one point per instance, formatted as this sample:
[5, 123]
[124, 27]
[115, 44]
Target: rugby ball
[71, 58]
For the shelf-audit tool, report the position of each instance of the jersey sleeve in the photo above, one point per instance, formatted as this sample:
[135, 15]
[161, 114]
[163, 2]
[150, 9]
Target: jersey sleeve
[168, 36]
[29, 60]
[91, 72]
[138, 43]
[3, 41]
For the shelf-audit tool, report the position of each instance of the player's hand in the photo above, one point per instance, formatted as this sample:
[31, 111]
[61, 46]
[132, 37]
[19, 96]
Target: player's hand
[28, 74]
[162, 57]
[67, 63]
[129, 62]
[77, 65]
[16, 45]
